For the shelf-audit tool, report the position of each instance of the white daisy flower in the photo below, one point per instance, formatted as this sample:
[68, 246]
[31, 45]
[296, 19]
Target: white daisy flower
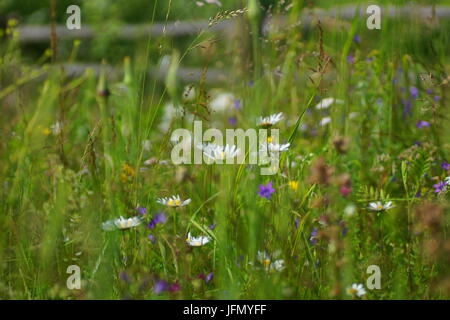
[325, 121]
[197, 241]
[215, 152]
[222, 101]
[379, 206]
[356, 289]
[268, 263]
[270, 151]
[269, 121]
[277, 265]
[263, 257]
[327, 102]
[447, 181]
[121, 223]
[174, 201]
[275, 147]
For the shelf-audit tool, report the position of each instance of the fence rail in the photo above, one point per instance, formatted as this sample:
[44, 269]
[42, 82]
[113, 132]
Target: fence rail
[41, 33]
[185, 74]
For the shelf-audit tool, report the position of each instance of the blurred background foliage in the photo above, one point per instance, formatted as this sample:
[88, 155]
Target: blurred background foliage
[141, 11]
[109, 16]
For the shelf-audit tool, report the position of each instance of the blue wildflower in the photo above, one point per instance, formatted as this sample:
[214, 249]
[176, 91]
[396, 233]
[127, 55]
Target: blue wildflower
[265, 191]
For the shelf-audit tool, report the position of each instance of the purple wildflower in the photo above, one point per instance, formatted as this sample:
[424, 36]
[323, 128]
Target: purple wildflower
[313, 236]
[265, 191]
[232, 121]
[445, 165]
[212, 227]
[414, 92]
[157, 218]
[439, 187]
[407, 106]
[124, 276]
[152, 238]
[160, 218]
[343, 224]
[422, 124]
[297, 223]
[160, 286]
[237, 104]
[429, 91]
[437, 98]
[209, 277]
[357, 39]
[175, 287]
[141, 210]
[350, 59]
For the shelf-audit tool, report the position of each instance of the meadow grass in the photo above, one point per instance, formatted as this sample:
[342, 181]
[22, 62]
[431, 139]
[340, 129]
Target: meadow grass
[77, 152]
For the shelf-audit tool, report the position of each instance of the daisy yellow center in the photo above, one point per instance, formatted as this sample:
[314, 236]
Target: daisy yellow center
[352, 291]
[269, 139]
[266, 262]
[380, 207]
[174, 202]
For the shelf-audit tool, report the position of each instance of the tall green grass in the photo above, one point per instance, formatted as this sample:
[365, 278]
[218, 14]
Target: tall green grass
[58, 186]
